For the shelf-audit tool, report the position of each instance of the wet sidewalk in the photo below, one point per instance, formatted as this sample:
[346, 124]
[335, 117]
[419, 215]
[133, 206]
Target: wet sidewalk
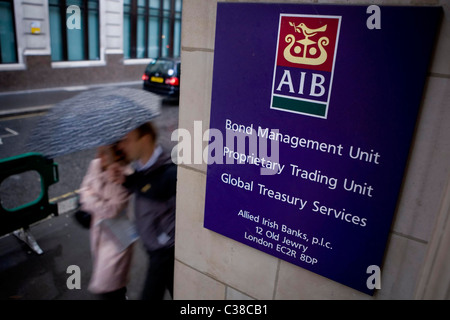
[26, 275]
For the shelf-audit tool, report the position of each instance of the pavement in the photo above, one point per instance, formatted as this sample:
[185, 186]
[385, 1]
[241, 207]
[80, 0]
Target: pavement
[27, 275]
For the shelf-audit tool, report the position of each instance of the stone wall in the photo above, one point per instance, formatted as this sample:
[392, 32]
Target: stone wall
[210, 266]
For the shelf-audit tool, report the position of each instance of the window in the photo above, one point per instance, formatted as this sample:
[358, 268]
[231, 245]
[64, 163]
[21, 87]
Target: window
[8, 48]
[74, 30]
[152, 28]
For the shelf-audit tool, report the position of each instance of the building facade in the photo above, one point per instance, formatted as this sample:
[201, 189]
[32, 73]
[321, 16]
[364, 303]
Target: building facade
[53, 43]
[416, 264]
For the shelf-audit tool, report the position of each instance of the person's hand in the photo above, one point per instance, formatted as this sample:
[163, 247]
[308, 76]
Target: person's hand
[116, 173]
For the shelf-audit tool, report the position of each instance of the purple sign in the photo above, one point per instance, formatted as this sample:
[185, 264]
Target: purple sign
[314, 108]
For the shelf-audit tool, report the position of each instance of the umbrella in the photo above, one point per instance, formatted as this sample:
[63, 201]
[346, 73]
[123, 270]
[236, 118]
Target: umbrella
[91, 119]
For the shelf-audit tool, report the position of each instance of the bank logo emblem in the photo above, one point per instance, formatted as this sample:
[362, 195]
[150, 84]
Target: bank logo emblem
[304, 64]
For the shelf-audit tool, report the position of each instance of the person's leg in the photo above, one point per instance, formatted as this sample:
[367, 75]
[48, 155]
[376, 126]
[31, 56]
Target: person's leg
[170, 270]
[159, 274]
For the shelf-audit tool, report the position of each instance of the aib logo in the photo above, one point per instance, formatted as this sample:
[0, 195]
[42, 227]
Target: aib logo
[304, 64]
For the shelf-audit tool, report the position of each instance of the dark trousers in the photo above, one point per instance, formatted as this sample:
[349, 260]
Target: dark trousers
[159, 274]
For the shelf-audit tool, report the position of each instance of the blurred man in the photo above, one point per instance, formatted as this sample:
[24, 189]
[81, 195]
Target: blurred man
[153, 186]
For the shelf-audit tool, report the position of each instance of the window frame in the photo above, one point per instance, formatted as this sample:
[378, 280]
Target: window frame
[163, 14]
[16, 45]
[62, 6]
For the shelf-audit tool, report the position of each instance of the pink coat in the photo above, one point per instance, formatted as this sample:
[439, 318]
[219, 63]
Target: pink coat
[104, 199]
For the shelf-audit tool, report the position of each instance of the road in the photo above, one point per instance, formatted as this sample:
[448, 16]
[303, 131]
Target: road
[15, 130]
[23, 273]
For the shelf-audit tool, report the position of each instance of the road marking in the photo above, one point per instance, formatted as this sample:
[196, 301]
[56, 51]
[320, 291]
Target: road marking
[75, 88]
[21, 116]
[11, 133]
[67, 202]
[7, 114]
[66, 195]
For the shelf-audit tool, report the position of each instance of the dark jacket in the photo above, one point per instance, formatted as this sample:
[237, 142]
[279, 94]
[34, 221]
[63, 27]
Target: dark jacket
[154, 192]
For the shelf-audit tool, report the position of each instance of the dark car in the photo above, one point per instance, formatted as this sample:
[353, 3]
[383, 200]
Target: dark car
[162, 76]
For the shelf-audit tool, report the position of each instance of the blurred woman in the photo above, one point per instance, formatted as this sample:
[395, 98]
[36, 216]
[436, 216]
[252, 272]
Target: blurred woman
[105, 199]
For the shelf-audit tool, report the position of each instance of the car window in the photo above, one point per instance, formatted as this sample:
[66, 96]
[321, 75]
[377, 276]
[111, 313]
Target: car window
[160, 66]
